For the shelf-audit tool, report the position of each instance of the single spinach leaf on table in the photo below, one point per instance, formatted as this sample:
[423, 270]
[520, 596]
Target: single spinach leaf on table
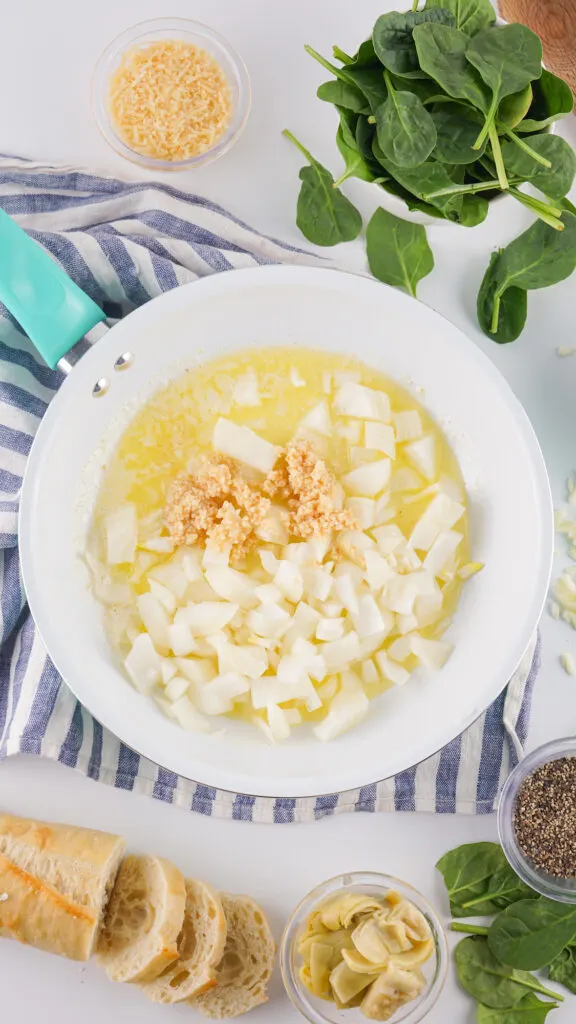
[508, 58]
[393, 38]
[467, 871]
[398, 251]
[552, 99]
[455, 135]
[530, 934]
[491, 982]
[470, 15]
[441, 52]
[554, 181]
[342, 94]
[406, 131]
[563, 968]
[355, 164]
[324, 215]
[511, 314]
[530, 1010]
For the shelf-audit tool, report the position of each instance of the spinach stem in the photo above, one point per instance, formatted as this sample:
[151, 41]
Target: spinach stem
[538, 204]
[302, 148]
[527, 149]
[536, 987]
[325, 63]
[497, 154]
[461, 926]
[461, 190]
[540, 209]
[340, 55]
[415, 5]
[494, 322]
[487, 123]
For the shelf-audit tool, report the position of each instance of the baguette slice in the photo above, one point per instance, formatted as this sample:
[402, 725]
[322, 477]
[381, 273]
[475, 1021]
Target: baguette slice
[244, 971]
[200, 948]
[57, 880]
[139, 938]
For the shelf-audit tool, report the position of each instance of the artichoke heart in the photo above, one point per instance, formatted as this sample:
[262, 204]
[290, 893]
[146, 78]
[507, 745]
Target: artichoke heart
[369, 941]
[323, 960]
[346, 984]
[394, 936]
[411, 958]
[337, 940]
[357, 962]
[340, 911]
[392, 989]
[417, 927]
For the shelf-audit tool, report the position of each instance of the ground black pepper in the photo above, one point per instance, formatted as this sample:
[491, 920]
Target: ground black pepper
[545, 817]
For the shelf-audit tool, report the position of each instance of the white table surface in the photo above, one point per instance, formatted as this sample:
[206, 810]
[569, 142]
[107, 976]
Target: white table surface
[48, 54]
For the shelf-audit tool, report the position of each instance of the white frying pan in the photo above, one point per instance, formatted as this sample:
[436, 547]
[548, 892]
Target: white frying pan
[511, 514]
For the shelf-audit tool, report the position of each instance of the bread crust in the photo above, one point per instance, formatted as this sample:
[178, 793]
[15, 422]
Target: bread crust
[57, 880]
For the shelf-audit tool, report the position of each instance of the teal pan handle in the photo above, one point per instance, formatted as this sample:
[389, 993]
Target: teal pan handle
[53, 311]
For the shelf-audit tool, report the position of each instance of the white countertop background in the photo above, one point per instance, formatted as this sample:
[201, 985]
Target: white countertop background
[46, 63]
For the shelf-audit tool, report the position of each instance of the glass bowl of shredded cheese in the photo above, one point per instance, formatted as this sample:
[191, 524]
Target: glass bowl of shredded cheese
[170, 94]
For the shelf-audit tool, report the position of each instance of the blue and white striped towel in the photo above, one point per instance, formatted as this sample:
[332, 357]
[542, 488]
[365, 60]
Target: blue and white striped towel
[124, 243]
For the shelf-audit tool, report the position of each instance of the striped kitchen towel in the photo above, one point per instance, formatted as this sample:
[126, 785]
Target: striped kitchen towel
[124, 242]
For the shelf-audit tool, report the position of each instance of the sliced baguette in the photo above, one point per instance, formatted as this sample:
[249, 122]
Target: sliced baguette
[139, 938]
[200, 948]
[57, 880]
[246, 966]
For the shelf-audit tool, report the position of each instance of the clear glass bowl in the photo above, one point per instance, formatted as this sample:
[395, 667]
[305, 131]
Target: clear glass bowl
[319, 1011]
[560, 889]
[190, 32]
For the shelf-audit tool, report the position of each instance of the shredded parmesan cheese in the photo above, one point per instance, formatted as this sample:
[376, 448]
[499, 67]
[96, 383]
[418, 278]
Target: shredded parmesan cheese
[169, 100]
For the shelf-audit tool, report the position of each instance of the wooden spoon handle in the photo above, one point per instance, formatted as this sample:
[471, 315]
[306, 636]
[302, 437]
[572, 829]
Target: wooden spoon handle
[555, 22]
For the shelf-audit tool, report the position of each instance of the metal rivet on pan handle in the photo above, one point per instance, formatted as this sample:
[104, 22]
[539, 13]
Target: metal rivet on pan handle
[101, 387]
[124, 361]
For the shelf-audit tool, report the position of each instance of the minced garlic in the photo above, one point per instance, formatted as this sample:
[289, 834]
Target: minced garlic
[216, 504]
[169, 100]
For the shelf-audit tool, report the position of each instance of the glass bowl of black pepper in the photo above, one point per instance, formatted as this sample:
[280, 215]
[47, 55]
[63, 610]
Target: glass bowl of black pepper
[537, 820]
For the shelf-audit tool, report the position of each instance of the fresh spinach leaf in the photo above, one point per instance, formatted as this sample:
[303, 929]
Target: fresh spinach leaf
[491, 982]
[348, 122]
[474, 210]
[370, 81]
[324, 215]
[470, 15]
[504, 888]
[552, 99]
[530, 1010]
[455, 135]
[398, 251]
[405, 130]
[467, 871]
[427, 177]
[507, 57]
[355, 164]
[394, 42]
[566, 205]
[530, 934]
[554, 181]
[442, 55]
[342, 94]
[563, 968]
[514, 107]
[512, 311]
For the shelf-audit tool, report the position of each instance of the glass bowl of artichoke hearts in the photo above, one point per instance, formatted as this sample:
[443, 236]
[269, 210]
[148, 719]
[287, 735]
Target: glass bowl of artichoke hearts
[364, 946]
